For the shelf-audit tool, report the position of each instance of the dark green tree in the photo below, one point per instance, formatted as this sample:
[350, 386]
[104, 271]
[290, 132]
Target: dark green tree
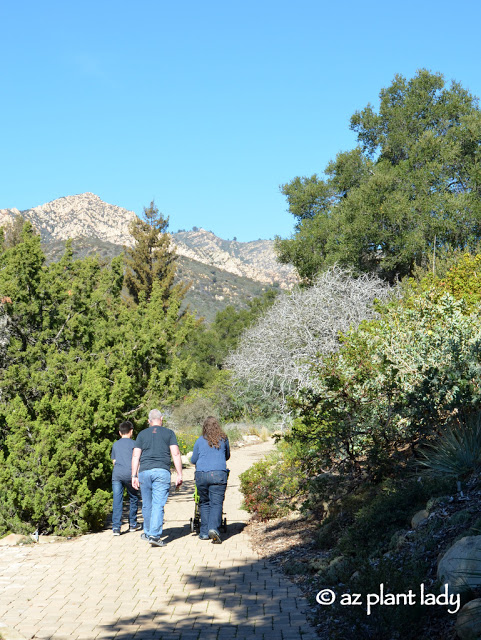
[152, 258]
[75, 360]
[411, 187]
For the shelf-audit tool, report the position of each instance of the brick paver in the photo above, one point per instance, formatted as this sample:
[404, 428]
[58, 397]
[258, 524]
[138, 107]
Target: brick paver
[104, 587]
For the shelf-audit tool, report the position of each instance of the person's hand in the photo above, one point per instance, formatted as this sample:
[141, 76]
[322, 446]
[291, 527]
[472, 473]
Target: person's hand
[135, 482]
[178, 482]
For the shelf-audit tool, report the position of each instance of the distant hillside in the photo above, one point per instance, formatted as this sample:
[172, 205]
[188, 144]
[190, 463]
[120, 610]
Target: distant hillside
[211, 291]
[255, 260]
[222, 272]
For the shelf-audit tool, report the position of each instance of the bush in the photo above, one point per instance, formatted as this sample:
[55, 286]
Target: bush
[186, 441]
[271, 485]
[193, 412]
[392, 384]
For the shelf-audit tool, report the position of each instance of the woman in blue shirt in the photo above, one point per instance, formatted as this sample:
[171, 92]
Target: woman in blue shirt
[210, 453]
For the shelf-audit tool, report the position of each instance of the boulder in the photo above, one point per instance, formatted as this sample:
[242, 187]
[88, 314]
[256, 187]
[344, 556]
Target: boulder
[13, 539]
[418, 518]
[460, 566]
[468, 624]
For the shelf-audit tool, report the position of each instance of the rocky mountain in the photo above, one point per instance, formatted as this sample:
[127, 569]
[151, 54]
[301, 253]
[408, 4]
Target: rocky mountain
[84, 215]
[221, 271]
[255, 260]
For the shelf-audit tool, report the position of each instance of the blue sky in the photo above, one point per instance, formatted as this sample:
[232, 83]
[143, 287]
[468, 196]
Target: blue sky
[205, 107]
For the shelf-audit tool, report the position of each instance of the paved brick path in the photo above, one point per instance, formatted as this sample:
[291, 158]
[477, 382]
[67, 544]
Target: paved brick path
[98, 586]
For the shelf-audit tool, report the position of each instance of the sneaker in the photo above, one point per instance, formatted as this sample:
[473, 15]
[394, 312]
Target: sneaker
[144, 536]
[203, 537]
[137, 527]
[214, 535]
[156, 542]
[116, 532]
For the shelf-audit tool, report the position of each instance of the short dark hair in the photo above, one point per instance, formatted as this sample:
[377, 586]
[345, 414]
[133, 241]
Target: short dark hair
[125, 427]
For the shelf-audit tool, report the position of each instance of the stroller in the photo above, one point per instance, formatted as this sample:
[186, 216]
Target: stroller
[195, 521]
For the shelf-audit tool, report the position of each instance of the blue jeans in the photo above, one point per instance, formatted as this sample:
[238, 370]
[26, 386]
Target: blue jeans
[154, 486]
[118, 491]
[211, 487]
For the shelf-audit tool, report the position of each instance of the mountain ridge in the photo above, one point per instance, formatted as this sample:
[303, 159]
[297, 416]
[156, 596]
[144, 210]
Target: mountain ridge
[222, 272]
[86, 215]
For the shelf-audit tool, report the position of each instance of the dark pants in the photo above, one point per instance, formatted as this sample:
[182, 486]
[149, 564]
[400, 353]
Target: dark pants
[211, 486]
[118, 491]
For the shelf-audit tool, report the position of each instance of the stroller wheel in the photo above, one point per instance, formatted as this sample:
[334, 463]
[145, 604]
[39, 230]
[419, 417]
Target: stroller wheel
[224, 525]
[192, 528]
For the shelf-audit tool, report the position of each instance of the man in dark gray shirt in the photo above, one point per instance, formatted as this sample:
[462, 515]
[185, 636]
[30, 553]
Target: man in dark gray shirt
[153, 450]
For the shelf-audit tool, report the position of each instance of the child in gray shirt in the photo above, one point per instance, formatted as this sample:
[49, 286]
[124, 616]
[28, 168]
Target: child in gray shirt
[121, 477]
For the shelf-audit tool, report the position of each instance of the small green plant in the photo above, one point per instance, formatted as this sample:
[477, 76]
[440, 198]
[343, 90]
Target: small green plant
[457, 451]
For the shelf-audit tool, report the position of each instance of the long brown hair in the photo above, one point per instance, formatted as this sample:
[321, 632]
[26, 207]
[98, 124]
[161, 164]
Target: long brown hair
[212, 432]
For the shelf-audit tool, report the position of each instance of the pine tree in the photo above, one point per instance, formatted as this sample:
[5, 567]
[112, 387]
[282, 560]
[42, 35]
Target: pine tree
[152, 258]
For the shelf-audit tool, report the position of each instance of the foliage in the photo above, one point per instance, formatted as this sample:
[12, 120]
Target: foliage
[78, 361]
[384, 622]
[194, 410]
[371, 543]
[394, 380]
[463, 280]
[389, 508]
[186, 441]
[411, 186]
[212, 343]
[457, 452]
[214, 289]
[151, 259]
[271, 485]
[278, 353]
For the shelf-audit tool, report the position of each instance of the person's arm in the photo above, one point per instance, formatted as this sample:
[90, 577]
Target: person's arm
[227, 449]
[175, 453]
[135, 467]
[195, 453]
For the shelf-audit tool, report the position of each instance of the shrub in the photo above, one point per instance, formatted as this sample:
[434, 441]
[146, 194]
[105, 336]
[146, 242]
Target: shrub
[193, 412]
[271, 485]
[186, 441]
[392, 384]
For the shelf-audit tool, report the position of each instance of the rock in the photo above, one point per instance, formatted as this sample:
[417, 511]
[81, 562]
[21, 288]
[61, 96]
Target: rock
[468, 624]
[13, 539]
[418, 518]
[460, 566]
